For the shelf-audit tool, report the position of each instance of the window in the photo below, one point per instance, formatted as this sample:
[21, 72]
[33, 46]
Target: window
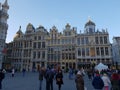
[66, 56]
[78, 41]
[49, 58]
[83, 51]
[39, 54]
[87, 51]
[62, 41]
[101, 40]
[34, 55]
[43, 44]
[82, 40]
[106, 51]
[43, 55]
[79, 52]
[39, 37]
[65, 33]
[39, 44]
[69, 33]
[105, 40]
[58, 41]
[34, 45]
[63, 56]
[90, 30]
[73, 55]
[86, 40]
[70, 56]
[102, 51]
[97, 51]
[35, 38]
[96, 40]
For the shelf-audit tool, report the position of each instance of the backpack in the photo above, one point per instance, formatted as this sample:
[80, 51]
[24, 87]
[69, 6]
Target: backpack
[98, 83]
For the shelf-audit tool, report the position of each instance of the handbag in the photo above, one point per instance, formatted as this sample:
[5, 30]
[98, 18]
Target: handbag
[58, 79]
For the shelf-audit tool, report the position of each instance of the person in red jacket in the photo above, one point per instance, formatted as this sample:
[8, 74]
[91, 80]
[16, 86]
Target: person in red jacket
[115, 81]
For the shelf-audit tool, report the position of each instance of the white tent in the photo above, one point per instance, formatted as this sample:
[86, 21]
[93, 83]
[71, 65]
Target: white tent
[101, 66]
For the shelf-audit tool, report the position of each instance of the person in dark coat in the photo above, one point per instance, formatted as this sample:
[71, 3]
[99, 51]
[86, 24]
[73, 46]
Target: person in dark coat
[41, 75]
[79, 81]
[59, 79]
[2, 76]
[97, 82]
[49, 76]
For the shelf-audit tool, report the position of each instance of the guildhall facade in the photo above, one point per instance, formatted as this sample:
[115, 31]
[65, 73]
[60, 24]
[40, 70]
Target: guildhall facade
[37, 47]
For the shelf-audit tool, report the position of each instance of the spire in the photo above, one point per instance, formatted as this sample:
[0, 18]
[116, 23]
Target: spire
[19, 31]
[20, 28]
[5, 4]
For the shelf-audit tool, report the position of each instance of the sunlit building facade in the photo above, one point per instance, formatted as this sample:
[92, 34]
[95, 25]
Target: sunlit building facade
[93, 46]
[38, 47]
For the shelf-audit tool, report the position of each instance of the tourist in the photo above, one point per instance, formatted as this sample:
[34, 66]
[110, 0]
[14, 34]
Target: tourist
[59, 79]
[49, 75]
[41, 74]
[106, 81]
[79, 81]
[115, 81]
[71, 73]
[97, 82]
[13, 72]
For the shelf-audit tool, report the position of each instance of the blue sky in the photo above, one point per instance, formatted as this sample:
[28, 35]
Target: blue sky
[104, 13]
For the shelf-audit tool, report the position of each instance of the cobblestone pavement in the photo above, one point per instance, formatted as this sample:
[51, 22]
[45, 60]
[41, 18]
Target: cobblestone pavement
[30, 82]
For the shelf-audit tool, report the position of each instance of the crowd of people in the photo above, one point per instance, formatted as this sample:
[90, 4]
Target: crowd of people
[50, 74]
[100, 80]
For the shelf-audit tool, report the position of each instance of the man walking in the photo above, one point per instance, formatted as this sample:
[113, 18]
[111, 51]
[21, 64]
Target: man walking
[49, 79]
[41, 74]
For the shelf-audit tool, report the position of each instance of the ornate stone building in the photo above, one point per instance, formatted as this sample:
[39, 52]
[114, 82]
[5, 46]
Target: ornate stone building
[3, 29]
[116, 51]
[93, 46]
[38, 47]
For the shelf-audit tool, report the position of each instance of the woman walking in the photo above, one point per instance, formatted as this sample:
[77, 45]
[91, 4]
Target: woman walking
[106, 81]
[59, 79]
[79, 81]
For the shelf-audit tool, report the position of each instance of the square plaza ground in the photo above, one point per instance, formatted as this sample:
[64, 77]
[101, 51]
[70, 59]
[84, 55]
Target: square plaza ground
[30, 82]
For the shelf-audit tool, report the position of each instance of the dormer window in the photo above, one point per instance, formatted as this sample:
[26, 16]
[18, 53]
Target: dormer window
[90, 30]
